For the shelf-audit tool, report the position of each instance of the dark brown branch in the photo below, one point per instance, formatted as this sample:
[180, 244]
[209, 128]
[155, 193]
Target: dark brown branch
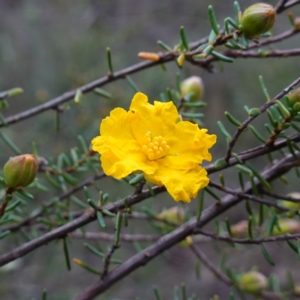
[49, 204]
[262, 54]
[164, 58]
[54, 103]
[256, 241]
[263, 108]
[210, 266]
[110, 237]
[244, 156]
[247, 196]
[175, 236]
[279, 196]
[284, 4]
[60, 232]
[255, 152]
[107, 260]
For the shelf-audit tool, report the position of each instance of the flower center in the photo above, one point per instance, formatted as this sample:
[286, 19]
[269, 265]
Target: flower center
[156, 147]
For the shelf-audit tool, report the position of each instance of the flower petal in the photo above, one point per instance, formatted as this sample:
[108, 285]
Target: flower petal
[159, 119]
[189, 146]
[182, 185]
[120, 153]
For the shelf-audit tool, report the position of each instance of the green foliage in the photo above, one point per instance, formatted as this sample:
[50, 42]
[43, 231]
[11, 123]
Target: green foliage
[95, 217]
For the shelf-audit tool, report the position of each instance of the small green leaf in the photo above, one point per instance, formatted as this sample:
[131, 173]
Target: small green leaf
[220, 163]
[200, 205]
[100, 219]
[184, 39]
[223, 130]
[222, 57]
[232, 119]
[266, 255]
[109, 61]
[212, 19]
[264, 88]
[132, 84]
[164, 46]
[66, 252]
[102, 93]
[254, 112]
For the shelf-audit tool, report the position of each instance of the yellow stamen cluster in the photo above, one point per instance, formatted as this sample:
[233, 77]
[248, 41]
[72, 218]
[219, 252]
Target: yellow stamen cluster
[156, 147]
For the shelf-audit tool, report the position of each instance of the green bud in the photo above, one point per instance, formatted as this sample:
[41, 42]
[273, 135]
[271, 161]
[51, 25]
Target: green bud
[188, 241]
[220, 163]
[297, 23]
[294, 97]
[253, 112]
[290, 226]
[192, 88]
[293, 206]
[20, 170]
[239, 229]
[15, 92]
[297, 290]
[253, 282]
[174, 214]
[258, 19]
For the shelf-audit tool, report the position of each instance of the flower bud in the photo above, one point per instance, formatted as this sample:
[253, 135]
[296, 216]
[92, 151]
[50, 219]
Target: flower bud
[294, 97]
[287, 226]
[239, 229]
[297, 23]
[20, 170]
[192, 88]
[297, 290]
[258, 19]
[253, 282]
[149, 56]
[188, 241]
[293, 206]
[174, 214]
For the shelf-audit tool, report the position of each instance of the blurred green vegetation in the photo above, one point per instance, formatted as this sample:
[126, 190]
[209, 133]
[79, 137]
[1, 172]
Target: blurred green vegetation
[50, 47]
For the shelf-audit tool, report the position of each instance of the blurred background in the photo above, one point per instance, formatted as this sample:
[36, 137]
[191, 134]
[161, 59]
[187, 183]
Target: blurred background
[50, 47]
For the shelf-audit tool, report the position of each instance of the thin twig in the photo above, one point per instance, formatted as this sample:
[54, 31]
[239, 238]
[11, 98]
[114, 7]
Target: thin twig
[50, 203]
[87, 217]
[210, 266]
[253, 198]
[169, 240]
[110, 237]
[250, 119]
[110, 253]
[256, 241]
[283, 5]
[279, 196]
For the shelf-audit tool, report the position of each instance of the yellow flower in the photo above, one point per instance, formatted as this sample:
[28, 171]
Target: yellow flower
[152, 139]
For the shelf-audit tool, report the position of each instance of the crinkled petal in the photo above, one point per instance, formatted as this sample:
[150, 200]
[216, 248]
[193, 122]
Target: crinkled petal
[159, 119]
[189, 146]
[121, 155]
[182, 185]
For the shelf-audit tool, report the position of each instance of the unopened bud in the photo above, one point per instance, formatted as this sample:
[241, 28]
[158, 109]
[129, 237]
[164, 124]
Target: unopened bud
[297, 23]
[293, 206]
[149, 56]
[253, 282]
[286, 226]
[258, 19]
[180, 59]
[192, 88]
[188, 241]
[294, 97]
[174, 214]
[239, 229]
[20, 170]
[297, 290]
